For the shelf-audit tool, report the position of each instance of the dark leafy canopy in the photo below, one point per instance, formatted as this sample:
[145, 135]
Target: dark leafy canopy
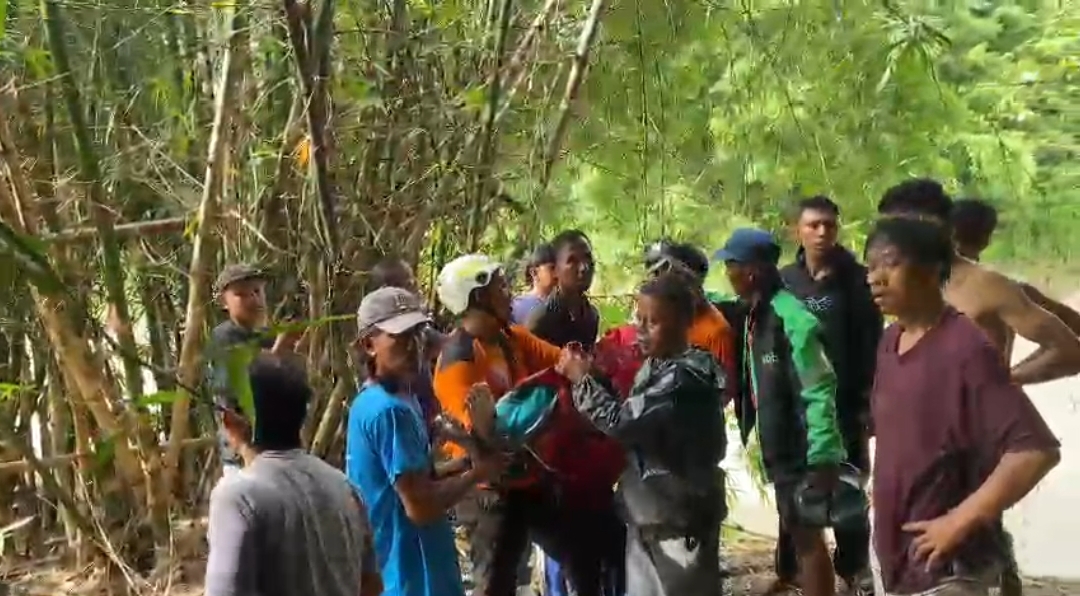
[703, 115]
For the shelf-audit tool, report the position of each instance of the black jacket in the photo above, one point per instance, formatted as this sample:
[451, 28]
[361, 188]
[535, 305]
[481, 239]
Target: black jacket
[554, 322]
[672, 425]
[851, 325]
[792, 388]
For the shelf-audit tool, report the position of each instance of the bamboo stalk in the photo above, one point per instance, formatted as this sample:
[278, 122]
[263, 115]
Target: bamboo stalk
[71, 346]
[20, 466]
[123, 231]
[311, 52]
[52, 488]
[205, 246]
[573, 86]
[102, 215]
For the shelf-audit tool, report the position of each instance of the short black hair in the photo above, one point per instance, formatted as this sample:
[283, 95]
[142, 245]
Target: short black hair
[383, 273]
[817, 203]
[281, 394]
[923, 242]
[672, 289]
[693, 257]
[689, 255]
[918, 196]
[567, 238]
[543, 254]
[973, 221]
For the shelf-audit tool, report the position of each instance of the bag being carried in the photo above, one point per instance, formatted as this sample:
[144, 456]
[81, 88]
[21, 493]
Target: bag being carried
[538, 418]
[619, 357]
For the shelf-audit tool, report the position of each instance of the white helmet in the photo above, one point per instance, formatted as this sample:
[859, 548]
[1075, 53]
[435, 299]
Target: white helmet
[461, 276]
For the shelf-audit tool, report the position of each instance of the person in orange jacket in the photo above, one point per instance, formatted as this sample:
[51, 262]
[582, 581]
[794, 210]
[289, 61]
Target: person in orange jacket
[485, 349]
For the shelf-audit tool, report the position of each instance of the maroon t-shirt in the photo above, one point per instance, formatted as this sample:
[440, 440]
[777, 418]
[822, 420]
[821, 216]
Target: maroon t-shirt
[945, 412]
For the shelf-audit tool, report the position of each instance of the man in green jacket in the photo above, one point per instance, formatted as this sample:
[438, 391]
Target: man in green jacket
[790, 396]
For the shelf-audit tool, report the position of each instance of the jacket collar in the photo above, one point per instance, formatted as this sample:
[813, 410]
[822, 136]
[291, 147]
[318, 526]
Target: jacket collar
[840, 259]
[770, 289]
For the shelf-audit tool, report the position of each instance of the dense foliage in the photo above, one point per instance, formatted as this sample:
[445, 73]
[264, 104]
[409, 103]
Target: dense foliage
[704, 115]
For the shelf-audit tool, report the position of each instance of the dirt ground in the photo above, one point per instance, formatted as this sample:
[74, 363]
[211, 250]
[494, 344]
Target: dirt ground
[750, 558]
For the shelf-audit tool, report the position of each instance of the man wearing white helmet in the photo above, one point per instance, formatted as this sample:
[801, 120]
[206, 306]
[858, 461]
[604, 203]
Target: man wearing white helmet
[485, 349]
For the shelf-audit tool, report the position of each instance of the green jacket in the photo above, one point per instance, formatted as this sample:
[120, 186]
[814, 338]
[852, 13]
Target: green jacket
[791, 396]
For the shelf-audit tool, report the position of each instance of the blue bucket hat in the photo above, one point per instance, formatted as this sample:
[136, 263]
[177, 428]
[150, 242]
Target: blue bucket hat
[749, 245]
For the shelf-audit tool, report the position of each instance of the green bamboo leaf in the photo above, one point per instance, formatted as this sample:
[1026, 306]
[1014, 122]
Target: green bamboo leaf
[104, 452]
[3, 25]
[237, 360]
[299, 326]
[10, 390]
[28, 254]
[160, 398]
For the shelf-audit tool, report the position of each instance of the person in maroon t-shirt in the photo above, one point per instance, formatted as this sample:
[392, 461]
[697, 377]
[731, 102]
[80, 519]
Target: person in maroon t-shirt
[957, 441]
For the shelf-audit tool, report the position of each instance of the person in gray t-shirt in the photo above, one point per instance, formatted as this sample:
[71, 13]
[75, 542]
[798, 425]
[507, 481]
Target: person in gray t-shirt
[287, 524]
[241, 289]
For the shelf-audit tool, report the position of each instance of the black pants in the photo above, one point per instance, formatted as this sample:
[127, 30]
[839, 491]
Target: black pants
[852, 554]
[589, 543]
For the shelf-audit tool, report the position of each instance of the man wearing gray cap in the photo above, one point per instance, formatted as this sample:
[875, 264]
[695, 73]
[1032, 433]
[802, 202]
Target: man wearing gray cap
[241, 290]
[388, 454]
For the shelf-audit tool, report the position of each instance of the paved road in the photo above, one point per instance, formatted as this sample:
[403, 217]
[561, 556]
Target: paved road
[1045, 525]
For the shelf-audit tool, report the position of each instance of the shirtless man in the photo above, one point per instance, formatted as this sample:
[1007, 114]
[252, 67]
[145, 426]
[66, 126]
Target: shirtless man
[997, 304]
[974, 222]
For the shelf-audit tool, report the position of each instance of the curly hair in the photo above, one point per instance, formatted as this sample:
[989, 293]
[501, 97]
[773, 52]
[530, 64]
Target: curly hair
[922, 242]
[919, 197]
[673, 292]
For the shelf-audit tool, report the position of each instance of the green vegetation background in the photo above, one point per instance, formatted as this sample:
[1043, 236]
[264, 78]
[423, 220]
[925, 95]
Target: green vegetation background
[699, 117]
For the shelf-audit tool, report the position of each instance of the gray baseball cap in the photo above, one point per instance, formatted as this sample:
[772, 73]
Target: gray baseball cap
[392, 310]
[237, 272]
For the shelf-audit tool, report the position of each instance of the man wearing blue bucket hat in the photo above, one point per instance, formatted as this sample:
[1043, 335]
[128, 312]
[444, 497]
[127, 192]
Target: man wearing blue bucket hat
[791, 398]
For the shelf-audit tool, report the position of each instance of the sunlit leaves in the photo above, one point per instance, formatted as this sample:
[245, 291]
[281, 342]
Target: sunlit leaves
[738, 107]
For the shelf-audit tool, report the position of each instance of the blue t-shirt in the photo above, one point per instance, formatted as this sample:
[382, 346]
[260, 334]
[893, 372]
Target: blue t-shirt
[386, 438]
[522, 305]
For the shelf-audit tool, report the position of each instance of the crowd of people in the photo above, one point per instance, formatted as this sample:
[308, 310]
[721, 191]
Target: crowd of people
[520, 423]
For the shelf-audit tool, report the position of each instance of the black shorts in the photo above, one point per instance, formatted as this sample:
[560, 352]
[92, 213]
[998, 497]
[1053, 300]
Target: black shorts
[499, 526]
[786, 506]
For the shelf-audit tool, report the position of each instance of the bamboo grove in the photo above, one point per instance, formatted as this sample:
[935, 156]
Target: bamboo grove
[145, 144]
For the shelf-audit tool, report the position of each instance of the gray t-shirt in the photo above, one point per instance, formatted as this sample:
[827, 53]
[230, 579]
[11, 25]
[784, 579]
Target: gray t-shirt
[289, 524]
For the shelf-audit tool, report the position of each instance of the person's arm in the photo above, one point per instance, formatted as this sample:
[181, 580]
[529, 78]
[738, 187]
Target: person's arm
[1059, 349]
[649, 406]
[370, 578]
[403, 453]
[451, 467]
[539, 354]
[371, 583]
[1006, 428]
[233, 563]
[817, 387]
[456, 372]
[1067, 315]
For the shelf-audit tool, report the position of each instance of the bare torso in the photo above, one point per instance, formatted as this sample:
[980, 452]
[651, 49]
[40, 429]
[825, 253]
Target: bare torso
[967, 293]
